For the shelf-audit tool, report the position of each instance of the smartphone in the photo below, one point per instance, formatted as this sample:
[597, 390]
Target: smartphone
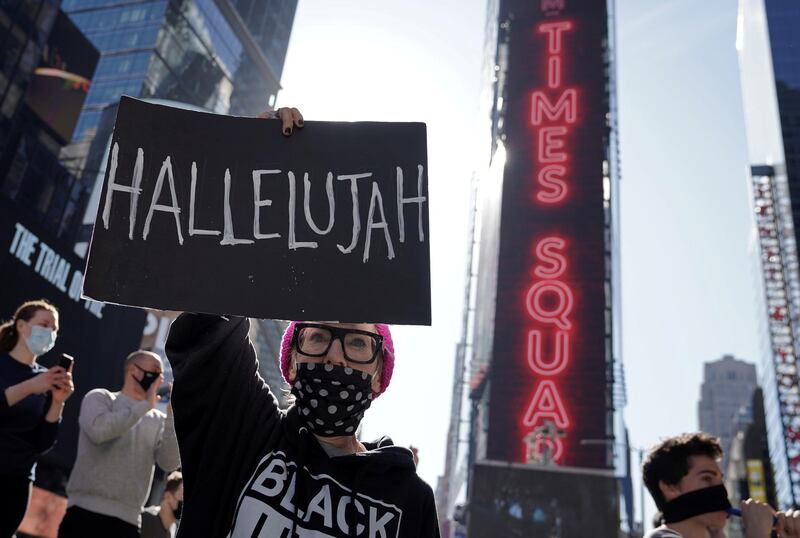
[66, 361]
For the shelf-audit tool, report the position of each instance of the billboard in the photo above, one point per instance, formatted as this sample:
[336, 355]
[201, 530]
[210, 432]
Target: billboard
[539, 501]
[34, 265]
[549, 353]
[59, 85]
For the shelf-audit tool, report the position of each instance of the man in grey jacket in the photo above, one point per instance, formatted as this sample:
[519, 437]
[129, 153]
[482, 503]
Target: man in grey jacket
[122, 436]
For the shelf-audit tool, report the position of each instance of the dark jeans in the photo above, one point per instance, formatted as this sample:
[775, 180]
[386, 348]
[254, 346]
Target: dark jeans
[14, 494]
[80, 523]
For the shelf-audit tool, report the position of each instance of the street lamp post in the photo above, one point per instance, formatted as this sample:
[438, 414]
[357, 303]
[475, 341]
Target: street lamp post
[640, 453]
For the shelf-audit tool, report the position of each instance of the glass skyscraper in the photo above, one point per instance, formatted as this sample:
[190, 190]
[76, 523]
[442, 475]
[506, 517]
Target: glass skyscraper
[225, 56]
[46, 66]
[768, 45]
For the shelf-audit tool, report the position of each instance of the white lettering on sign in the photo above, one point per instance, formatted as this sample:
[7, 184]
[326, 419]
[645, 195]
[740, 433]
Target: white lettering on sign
[51, 266]
[134, 190]
[258, 203]
[166, 170]
[376, 218]
[192, 229]
[23, 244]
[419, 200]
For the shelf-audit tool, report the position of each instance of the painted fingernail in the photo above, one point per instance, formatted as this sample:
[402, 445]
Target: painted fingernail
[287, 131]
[300, 123]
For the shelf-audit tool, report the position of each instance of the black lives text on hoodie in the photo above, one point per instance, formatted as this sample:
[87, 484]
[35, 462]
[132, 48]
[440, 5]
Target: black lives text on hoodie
[251, 470]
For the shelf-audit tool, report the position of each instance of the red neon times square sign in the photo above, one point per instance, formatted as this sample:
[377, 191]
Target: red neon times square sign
[549, 358]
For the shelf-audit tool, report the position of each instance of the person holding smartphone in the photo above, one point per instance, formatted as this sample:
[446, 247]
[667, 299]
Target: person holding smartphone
[123, 435]
[32, 401]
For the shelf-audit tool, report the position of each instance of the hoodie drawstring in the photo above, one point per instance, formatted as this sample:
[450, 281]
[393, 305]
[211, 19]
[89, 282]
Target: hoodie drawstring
[298, 479]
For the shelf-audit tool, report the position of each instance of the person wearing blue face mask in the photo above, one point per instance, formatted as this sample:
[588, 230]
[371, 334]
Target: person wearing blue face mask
[32, 401]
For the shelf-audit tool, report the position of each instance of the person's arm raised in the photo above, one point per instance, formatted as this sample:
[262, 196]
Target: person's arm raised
[223, 410]
[102, 423]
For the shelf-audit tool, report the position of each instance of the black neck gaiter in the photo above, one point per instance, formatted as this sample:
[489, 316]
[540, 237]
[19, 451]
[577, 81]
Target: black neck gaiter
[694, 503]
[330, 398]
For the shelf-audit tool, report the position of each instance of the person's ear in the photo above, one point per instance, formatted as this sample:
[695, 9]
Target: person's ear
[292, 367]
[376, 382]
[669, 491]
[377, 377]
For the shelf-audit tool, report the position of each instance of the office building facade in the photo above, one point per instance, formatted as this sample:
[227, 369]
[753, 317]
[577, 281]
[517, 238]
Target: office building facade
[222, 55]
[726, 398]
[46, 67]
[767, 41]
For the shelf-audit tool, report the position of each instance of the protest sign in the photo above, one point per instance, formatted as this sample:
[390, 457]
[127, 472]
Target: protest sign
[208, 213]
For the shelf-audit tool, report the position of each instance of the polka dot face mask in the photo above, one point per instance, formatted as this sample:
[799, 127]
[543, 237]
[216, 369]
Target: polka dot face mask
[331, 399]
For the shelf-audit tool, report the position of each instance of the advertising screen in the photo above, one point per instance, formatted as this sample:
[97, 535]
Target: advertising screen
[548, 366]
[551, 502]
[60, 84]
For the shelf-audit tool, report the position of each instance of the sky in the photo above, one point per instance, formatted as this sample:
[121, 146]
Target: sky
[388, 60]
[688, 280]
[687, 275]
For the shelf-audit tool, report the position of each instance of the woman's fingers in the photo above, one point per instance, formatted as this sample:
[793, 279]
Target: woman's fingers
[286, 117]
[297, 117]
[290, 118]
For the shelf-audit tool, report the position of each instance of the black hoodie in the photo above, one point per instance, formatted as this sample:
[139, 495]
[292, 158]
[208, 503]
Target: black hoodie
[251, 470]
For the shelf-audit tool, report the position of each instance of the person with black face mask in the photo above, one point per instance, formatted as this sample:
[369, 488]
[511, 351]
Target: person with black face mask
[682, 474]
[162, 521]
[251, 469]
[254, 470]
[122, 437]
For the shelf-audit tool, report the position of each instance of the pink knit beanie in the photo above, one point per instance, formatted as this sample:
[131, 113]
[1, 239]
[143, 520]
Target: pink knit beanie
[388, 354]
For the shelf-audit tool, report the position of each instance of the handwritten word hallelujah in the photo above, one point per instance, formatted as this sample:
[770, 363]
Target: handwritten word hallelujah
[375, 220]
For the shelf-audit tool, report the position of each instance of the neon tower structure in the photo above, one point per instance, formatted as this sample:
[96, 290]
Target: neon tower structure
[539, 376]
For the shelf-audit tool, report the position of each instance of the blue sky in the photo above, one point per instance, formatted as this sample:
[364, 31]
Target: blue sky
[405, 61]
[687, 275]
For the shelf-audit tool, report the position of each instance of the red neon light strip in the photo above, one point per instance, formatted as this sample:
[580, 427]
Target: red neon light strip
[560, 358]
[546, 404]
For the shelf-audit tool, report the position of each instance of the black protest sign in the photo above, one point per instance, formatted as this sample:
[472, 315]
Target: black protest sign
[219, 214]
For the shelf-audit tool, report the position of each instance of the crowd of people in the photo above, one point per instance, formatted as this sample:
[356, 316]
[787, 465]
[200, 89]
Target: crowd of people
[248, 468]
[122, 436]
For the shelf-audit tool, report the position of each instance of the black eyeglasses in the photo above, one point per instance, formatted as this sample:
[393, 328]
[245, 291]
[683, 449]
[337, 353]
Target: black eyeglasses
[315, 340]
